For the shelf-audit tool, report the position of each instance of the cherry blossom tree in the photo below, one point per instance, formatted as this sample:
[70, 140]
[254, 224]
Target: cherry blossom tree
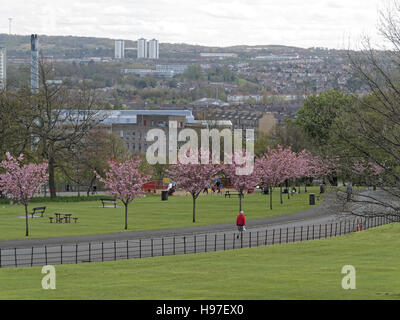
[20, 182]
[192, 175]
[275, 167]
[243, 173]
[124, 181]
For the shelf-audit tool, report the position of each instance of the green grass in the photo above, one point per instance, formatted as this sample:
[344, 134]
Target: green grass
[148, 213]
[308, 270]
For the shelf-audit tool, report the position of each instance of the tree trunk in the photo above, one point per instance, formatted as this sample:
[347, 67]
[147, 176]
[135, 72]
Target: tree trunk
[52, 183]
[288, 189]
[26, 221]
[270, 197]
[126, 216]
[194, 209]
[240, 201]
[281, 193]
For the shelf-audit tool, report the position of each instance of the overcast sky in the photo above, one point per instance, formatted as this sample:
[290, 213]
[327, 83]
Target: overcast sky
[303, 23]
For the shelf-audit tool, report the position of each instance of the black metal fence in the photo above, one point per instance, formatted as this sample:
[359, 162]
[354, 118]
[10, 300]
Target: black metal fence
[181, 244]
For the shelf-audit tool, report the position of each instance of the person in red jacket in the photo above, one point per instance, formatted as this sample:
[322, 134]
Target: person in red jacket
[240, 223]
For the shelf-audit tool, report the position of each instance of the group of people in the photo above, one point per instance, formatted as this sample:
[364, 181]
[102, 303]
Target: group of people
[217, 186]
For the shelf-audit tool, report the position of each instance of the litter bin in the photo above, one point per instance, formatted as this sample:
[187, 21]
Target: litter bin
[266, 190]
[312, 199]
[322, 188]
[164, 195]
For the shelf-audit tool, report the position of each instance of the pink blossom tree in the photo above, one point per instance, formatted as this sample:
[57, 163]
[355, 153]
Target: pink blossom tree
[124, 180]
[21, 182]
[275, 167]
[193, 176]
[243, 173]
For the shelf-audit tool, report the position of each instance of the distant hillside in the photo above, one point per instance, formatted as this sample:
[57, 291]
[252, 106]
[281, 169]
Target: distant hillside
[18, 46]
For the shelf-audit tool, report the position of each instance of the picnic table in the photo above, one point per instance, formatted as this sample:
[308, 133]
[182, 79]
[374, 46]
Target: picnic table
[60, 217]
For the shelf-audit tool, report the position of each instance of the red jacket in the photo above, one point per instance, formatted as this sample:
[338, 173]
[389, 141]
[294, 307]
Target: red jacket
[240, 220]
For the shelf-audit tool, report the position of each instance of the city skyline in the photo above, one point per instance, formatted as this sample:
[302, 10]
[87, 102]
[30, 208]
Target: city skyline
[312, 23]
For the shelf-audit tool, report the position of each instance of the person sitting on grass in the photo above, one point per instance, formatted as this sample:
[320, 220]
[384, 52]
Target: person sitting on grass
[240, 223]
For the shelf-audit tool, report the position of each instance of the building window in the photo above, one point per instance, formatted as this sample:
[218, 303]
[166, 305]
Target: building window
[121, 133]
[144, 122]
[133, 147]
[133, 133]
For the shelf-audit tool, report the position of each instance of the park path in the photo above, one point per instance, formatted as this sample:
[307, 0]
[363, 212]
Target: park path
[321, 221]
[324, 211]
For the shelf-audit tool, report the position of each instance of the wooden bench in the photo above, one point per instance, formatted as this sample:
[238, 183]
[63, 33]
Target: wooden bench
[105, 200]
[40, 210]
[229, 194]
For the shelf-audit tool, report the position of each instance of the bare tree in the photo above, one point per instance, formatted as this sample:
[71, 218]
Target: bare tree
[61, 119]
[368, 131]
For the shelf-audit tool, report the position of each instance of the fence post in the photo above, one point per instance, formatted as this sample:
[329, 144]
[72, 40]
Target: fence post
[319, 233]
[184, 244]
[250, 239]
[224, 242]
[287, 234]
[76, 253]
[195, 244]
[140, 248]
[313, 234]
[115, 250]
[257, 238]
[174, 247]
[162, 246]
[241, 239]
[31, 257]
[151, 246]
[233, 241]
[280, 235]
[308, 230]
[331, 231]
[273, 236]
[90, 246]
[294, 234]
[45, 255]
[340, 228]
[61, 254]
[102, 251]
[127, 249]
[301, 233]
[266, 236]
[326, 230]
[215, 242]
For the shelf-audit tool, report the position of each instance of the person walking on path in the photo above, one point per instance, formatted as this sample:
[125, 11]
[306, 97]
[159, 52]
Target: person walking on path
[240, 223]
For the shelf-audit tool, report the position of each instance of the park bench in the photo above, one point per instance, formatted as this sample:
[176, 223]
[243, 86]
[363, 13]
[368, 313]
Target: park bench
[229, 194]
[105, 200]
[40, 210]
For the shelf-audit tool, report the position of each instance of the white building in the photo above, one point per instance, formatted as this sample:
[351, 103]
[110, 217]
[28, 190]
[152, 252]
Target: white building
[119, 49]
[142, 48]
[153, 49]
[3, 68]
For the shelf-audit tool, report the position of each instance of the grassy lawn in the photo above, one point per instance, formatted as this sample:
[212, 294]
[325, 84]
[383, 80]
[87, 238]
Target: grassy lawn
[148, 213]
[308, 270]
